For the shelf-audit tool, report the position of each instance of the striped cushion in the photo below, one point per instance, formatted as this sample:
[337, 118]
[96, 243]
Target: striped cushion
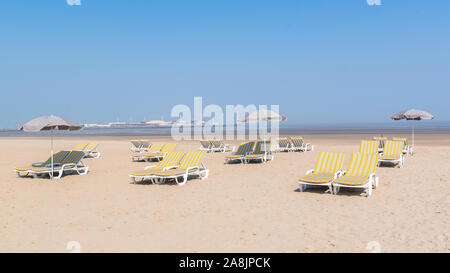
[369, 147]
[359, 170]
[171, 159]
[327, 165]
[190, 159]
[393, 150]
[317, 178]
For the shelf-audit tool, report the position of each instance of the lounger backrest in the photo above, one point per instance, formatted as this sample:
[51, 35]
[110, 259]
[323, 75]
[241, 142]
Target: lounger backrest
[393, 148]
[404, 139]
[57, 158]
[262, 147]
[283, 142]
[146, 144]
[91, 146]
[156, 147]
[73, 158]
[297, 141]
[205, 144]
[329, 163]
[369, 147]
[192, 159]
[136, 143]
[381, 140]
[169, 147]
[80, 146]
[362, 165]
[170, 159]
[217, 143]
[244, 148]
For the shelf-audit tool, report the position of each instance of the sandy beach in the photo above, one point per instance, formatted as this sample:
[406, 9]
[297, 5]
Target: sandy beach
[239, 208]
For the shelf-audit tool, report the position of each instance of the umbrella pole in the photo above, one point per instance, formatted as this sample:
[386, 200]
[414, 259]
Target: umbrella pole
[413, 137]
[51, 151]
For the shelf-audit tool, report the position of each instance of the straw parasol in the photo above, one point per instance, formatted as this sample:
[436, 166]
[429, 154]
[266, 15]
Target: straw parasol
[412, 114]
[50, 123]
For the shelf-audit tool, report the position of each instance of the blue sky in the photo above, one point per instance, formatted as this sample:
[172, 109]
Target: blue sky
[321, 61]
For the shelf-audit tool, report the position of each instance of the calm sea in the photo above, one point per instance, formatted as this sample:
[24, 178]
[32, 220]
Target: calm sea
[370, 128]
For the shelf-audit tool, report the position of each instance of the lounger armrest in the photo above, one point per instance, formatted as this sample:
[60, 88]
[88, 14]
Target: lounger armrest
[309, 171]
[191, 168]
[149, 167]
[169, 167]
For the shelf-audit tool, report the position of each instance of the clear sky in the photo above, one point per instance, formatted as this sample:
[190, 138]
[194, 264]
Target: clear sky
[321, 61]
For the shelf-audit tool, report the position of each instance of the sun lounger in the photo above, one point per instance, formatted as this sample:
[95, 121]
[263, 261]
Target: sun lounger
[170, 160]
[73, 162]
[327, 169]
[406, 149]
[381, 141]
[393, 153]
[298, 144]
[360, 174]
[243, 149]
[261, 153]
[205, 145]
[41, 166]
[80, 146]
[154, 148]
[159, 155]
[369, 147]
[219, 146]
[91, 150]
[191, 164]
[140, 145]
[284, 145]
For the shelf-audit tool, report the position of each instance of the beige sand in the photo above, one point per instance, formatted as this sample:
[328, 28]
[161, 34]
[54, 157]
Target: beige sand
[239, 208]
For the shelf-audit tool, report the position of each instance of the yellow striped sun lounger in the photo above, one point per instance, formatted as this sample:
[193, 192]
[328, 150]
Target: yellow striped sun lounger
[298, 144]
[360, 174]
[155, 148]
[168, 147]
[172, 159]
[191, 164]
[262, 152]
[243, 149]
[406, 149]
[393, 153]
[381, 141]
[91, 150]
[327, 169]
[369, 147]
[80, 146]
[284, 145]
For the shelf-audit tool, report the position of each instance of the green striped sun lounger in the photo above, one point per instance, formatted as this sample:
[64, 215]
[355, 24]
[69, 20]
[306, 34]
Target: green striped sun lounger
[243, 149]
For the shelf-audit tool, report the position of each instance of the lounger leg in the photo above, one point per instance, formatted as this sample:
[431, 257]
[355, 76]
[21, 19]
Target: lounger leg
[369, 189]
[331, 188]
[336, 189]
